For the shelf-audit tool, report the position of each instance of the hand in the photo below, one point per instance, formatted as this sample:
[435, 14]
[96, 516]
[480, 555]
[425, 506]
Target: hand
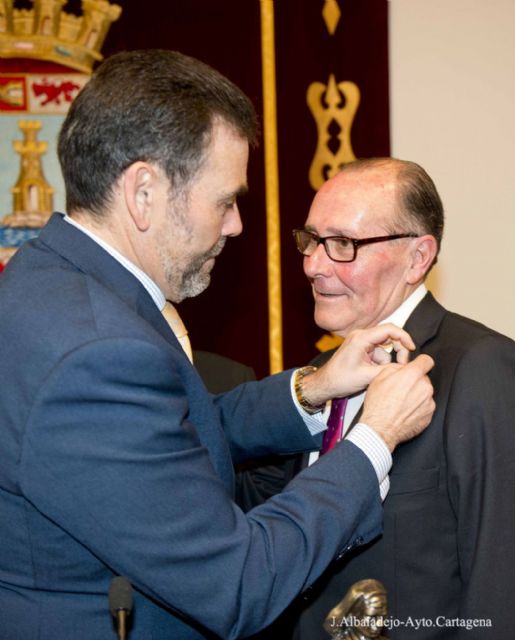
[399, 402]
[356, 363]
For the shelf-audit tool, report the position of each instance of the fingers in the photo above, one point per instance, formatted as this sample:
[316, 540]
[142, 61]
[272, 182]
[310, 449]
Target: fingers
[421, 365]
[387, 334]
[416, 369]
[358, 361]
[390, 369]
[402, 353]
[381, 356]
[423, 362]
[399, 403]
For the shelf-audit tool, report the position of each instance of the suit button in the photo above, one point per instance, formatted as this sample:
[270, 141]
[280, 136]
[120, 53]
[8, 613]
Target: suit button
[352, 545]
[308, 594]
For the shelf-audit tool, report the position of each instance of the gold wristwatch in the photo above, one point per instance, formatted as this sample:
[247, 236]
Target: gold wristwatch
[300, 374]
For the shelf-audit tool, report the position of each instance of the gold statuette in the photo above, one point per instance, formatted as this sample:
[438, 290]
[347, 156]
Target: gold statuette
[361, 613]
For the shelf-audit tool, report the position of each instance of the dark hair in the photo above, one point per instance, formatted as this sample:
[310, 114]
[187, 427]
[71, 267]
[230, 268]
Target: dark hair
[420, 206]
[151, 105]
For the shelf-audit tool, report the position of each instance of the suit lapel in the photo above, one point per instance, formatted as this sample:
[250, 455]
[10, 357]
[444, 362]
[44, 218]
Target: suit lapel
[424, 323]
[90, 258]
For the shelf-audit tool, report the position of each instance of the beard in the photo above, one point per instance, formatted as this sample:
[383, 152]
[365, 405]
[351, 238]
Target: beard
[192, 275]
[187, 274]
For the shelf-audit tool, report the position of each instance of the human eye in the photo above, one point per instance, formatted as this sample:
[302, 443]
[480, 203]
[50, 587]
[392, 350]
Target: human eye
[341, 242]
[227, 205]
[341, 248]
[230, 201]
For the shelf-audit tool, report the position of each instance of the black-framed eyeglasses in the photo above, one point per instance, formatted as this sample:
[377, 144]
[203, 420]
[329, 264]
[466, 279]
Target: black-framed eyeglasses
[338, 248]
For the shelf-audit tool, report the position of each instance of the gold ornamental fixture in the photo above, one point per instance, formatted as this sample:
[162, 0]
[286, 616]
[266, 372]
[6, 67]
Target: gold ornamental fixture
[32, 195]
[331, 14]
[333, 107]
[48, 33]
[273, 222]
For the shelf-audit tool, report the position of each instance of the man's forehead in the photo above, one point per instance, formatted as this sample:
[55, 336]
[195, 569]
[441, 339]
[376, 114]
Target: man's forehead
[379, 180]
[355, 200]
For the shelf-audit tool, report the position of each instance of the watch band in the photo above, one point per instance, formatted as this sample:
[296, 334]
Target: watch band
[300, 374]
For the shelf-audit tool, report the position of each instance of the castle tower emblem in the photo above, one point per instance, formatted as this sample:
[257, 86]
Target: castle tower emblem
[32, 195]
[46, 56]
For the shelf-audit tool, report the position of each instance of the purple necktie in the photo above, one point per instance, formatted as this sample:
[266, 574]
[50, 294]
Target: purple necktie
[334, 425]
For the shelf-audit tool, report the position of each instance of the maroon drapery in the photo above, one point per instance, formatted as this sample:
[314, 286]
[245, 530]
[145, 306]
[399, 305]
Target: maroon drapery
[231, 317]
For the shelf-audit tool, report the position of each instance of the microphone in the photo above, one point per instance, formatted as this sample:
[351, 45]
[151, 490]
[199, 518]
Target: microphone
[120, 603]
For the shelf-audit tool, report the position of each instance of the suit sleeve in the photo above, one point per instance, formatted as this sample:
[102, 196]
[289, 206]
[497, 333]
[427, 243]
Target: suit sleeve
[111, 457]
[260, 478]
[480, 448]
[268, 403]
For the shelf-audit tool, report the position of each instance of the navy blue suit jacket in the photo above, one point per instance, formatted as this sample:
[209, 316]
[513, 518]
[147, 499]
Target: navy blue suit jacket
[114, 459]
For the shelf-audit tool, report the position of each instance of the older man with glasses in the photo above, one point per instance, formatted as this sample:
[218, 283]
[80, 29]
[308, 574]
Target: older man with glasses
[446, 555]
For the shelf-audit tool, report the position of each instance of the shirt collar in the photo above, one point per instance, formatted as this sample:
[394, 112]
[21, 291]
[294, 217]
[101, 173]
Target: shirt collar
[153, 290]
[400, 316]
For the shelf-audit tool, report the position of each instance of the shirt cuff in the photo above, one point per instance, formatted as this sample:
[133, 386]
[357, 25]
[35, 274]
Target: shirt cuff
[384, 487]
[374, 447]
[315, 422]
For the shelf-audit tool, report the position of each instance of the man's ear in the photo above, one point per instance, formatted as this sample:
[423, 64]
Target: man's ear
[423, 254]
[139, 184]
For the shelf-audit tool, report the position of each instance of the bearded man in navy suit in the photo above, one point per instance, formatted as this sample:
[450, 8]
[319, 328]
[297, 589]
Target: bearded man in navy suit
[114, 459]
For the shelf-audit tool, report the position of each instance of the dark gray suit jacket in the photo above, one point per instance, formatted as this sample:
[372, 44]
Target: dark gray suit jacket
[221, 374]
[447, 554]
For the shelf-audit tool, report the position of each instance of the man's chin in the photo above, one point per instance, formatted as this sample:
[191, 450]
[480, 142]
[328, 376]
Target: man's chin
[199, 286]
[332, 322]
[192, 287]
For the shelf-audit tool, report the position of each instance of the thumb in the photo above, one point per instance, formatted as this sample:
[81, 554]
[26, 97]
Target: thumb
[423, 362]
[386, 370]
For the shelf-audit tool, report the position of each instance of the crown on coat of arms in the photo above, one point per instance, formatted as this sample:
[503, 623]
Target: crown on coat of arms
[48, 33]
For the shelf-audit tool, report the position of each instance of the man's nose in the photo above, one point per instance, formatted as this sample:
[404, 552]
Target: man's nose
[318, 263]
[233, 225]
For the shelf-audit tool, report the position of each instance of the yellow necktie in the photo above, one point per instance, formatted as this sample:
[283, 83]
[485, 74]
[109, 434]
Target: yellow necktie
[177, 326]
